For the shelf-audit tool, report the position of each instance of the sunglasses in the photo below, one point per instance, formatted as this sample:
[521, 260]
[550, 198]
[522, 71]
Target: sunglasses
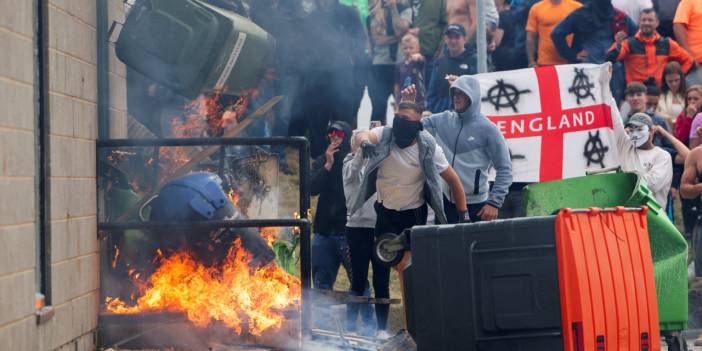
[397, 115]
[335, 133]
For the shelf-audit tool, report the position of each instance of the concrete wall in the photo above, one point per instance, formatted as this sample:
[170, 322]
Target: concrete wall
[73, 256]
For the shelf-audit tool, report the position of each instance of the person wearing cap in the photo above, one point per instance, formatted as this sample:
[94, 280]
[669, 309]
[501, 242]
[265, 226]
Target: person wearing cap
[638, 154]
[457, 61]
[404, 168]
[330, 249]
[636, 95]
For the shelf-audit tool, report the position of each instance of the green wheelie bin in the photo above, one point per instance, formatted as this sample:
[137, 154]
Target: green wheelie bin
[668, 247]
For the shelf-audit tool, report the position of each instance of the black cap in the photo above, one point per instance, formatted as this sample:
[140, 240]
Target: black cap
[455, 28]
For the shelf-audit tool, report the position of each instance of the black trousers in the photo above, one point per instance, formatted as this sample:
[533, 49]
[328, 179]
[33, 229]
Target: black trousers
[513, 207]
[360, 241]
[451, 212]
[690, 208]
[391, 221]
[380, 88]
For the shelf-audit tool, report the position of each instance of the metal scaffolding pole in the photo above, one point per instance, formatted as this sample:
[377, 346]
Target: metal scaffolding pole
[481, 37]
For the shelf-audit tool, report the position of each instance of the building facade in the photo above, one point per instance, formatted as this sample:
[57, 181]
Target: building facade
[51, 95]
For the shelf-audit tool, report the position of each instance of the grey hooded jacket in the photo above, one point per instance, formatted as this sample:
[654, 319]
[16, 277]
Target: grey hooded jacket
[353, 171]
[472, 145]
[432, 186]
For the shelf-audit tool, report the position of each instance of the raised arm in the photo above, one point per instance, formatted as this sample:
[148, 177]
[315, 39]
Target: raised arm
[678, 145]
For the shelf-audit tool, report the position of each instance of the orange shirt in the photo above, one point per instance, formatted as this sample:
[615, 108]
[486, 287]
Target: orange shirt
[544, 16]
[689, 13]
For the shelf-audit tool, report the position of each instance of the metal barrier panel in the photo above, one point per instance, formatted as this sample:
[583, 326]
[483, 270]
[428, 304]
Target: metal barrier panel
[132, 171]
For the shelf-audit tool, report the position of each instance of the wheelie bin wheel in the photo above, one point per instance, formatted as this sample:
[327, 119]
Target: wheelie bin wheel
[388, 249]
[675, 341]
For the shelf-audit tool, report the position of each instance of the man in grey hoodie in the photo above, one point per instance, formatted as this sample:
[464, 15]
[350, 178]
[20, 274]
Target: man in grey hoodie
[472, 145]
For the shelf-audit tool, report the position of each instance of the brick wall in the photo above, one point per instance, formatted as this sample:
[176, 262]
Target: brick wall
[17, 170]
[72, 106]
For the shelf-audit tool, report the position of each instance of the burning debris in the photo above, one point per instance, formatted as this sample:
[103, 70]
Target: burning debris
[224, 276]
[232, 293]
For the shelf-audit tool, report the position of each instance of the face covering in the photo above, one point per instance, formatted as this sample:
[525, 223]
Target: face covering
[639, 135]
[405, 131]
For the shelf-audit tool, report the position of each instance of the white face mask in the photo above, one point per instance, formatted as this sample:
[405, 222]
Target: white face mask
[639, 135]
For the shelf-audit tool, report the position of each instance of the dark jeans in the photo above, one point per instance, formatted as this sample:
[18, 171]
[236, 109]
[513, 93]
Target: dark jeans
[391, 221]
[361, 242]
[513, 207]
[328, 253]
[697, 247]
[689, 214]
[380, 88]
[452, 212]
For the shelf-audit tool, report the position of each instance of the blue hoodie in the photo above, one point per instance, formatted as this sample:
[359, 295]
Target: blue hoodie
[473, 144]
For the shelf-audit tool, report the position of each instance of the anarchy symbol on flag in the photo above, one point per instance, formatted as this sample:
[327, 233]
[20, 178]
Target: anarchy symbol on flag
[507, 91]
[563, 130]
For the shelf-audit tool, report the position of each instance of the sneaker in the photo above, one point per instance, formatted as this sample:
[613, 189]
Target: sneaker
[382, 335]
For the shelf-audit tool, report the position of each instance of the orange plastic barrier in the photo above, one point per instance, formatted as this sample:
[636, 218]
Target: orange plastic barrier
[607, 287]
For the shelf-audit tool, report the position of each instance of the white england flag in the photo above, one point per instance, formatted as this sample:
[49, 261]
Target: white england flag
[557, 120]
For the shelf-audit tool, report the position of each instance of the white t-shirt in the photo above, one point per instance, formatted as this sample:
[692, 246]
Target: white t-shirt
[655, 166]
[400, 181]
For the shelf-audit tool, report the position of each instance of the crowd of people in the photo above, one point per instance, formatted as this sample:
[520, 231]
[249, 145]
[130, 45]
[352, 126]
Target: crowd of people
[433, 163]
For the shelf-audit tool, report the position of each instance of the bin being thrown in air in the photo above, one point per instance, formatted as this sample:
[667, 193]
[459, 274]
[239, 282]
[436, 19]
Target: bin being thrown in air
[190, 46]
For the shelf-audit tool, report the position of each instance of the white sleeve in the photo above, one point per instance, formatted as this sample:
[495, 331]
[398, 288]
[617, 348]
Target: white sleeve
[628, 159]
[660, 176]
[378, 132]
[440, 162]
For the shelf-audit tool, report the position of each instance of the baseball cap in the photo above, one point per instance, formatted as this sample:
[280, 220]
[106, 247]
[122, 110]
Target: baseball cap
[635, 87]
[456, 29]
[640, 119]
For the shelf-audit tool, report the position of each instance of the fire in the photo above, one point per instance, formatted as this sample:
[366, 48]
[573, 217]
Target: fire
[240, 297]
[234, 198]
[270, 234]
[114, 259]
[205, 116]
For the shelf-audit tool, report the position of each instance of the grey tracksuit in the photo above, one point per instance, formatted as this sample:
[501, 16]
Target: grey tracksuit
[472, 145]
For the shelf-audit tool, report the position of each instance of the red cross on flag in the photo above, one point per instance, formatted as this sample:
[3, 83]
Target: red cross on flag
[557, 120]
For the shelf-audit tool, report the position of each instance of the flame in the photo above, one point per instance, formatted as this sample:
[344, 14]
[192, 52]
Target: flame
[114, 259]
[231, 293]
[270, 234]
[203, 117]
[234, 198]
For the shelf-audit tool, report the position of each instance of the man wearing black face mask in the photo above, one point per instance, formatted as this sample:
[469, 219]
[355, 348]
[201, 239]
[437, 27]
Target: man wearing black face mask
[473, 145]
[405, 167]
